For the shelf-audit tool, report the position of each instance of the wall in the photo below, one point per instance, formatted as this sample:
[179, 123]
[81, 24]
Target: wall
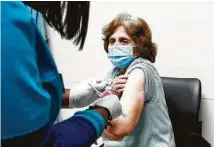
[184, 32]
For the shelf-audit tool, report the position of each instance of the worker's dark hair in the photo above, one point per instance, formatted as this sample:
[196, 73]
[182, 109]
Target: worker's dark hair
[69, 18]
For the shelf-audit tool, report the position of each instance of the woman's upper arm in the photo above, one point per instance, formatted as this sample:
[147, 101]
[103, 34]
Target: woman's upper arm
[132, 100]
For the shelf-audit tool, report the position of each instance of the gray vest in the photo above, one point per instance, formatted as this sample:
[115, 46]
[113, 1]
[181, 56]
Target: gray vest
[154, 128]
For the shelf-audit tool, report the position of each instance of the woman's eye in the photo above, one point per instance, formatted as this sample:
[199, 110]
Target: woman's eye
[111, 41]
[124, 41]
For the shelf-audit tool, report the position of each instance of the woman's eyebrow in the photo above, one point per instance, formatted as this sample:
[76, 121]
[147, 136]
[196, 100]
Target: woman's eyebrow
[111, 38]
[123, 38]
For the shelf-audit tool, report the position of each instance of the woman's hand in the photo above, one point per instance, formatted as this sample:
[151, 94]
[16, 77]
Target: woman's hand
[119, 84]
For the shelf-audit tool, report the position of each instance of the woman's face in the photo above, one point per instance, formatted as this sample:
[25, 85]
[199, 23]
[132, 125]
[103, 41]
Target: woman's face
[119, 38]
[120, 48]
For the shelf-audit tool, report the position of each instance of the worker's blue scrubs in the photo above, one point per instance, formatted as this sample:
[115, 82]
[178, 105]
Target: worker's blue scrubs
[31, 89]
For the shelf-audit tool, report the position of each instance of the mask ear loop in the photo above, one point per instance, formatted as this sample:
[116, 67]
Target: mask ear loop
[133, 46]
[136, 56]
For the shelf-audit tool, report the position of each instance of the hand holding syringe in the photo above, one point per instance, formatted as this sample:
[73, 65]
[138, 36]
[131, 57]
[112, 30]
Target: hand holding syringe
[105, 93]
[97, 91]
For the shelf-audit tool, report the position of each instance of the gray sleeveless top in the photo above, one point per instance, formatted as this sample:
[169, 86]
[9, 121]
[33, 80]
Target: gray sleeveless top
[154, 127]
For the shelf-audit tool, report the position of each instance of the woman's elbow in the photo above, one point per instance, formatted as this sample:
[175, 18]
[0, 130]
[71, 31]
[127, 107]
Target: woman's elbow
[123, 132]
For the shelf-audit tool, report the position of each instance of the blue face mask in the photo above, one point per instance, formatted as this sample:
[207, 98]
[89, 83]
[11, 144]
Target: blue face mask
[121, 56]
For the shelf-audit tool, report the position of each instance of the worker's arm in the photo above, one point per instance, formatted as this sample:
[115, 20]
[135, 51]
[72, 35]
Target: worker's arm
[83, 94]
[86, 126]
[65, 99]
[132, 102]
[81, 130]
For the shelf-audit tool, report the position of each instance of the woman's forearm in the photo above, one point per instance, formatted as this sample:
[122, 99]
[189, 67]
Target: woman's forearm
[119, 129]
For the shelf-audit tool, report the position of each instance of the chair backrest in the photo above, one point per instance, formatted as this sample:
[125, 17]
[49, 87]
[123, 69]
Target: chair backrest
[183, 97]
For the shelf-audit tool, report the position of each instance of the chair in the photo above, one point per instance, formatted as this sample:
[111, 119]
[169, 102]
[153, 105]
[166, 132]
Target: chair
[183, 98]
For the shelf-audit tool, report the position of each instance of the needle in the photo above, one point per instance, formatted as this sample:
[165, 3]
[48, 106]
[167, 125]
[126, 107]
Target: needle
[98, 92]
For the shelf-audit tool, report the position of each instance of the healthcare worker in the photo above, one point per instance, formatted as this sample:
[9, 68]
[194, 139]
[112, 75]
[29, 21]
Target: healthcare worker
[31, 86]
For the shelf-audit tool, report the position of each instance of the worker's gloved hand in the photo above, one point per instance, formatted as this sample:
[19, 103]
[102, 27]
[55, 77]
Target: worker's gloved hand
[83, 94]
[112, 103]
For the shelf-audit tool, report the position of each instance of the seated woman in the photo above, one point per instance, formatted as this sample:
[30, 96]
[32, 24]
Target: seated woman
[145, 121]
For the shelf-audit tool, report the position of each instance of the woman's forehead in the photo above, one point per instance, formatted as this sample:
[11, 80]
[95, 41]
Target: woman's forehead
[120, 32]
